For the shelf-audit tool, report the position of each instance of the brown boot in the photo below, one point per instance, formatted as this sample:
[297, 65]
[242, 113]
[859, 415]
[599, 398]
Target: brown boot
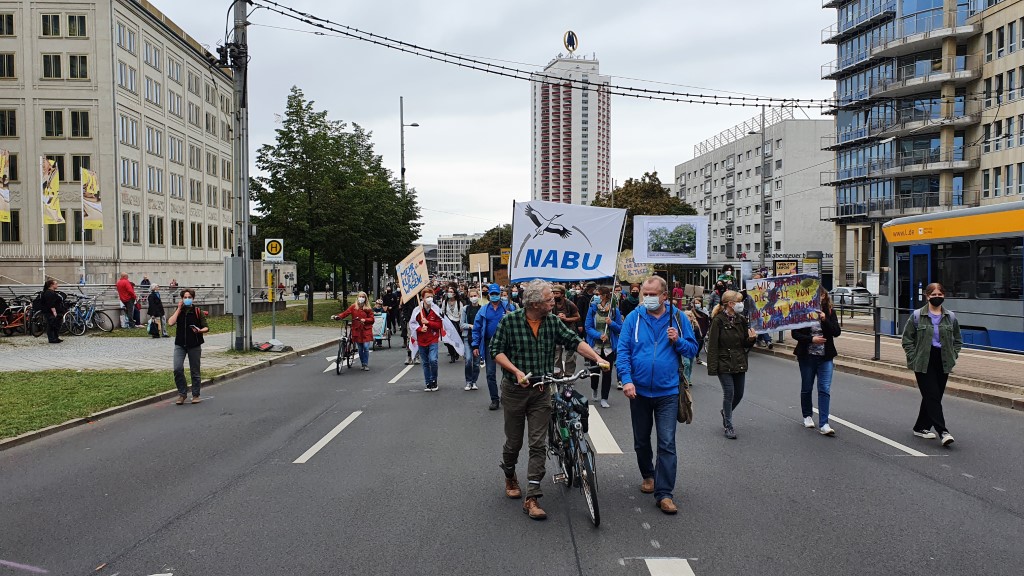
[531, 509]
[667, 506]
[647, 486]
[512, 488]
[180, 400]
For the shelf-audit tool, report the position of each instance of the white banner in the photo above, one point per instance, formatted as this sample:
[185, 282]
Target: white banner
[412, 274]
[670, 239]
[556, 241]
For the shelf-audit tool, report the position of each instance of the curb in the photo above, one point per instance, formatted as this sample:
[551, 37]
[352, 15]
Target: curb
[75, 422]
[969, 388]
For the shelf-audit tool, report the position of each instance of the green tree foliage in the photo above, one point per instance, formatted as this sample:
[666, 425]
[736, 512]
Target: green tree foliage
[491, 242]
[326, 192]
[643, 197]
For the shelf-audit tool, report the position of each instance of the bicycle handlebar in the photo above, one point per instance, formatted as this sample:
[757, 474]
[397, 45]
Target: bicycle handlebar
[551, 379]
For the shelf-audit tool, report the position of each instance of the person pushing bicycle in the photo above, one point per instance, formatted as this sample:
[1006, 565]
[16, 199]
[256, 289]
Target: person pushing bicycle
[525, 343]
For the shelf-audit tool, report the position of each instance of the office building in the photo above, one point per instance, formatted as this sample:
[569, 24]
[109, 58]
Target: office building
[571, 131]
[450, 250]
[117, 88]
[724, 182]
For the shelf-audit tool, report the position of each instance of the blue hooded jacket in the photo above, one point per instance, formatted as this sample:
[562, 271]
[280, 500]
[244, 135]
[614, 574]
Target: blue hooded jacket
[486, 324]
[646, 358]
[614, 326]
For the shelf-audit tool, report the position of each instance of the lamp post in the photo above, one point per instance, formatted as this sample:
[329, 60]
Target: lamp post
[401, 120]
[763, 222]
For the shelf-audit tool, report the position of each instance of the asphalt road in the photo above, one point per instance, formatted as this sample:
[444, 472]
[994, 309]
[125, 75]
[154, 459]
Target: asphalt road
[411, 486]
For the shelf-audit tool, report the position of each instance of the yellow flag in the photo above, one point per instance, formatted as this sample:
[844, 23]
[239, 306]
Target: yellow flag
[5, 189]
[51, 190]
[92, 210]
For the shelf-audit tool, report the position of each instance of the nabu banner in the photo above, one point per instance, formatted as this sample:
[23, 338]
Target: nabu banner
[556, 241]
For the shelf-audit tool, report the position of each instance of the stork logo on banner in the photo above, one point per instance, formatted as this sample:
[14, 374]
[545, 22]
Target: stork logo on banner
[547, 225]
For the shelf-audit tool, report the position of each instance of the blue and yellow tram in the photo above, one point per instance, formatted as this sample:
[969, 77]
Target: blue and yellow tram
[978, 256]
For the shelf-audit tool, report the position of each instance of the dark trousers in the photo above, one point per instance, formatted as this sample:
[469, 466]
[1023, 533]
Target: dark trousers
[129, 311]
[53, 327]
[658, 414]
[732, 393]
[605, 378]
[526, 409]
[194, 354]
[932, 385]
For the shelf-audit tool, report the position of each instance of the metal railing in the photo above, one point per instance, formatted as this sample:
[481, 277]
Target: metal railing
[878, 11]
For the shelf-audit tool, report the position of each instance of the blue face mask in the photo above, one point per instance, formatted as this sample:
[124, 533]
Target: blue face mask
[504, 299]
[186, 301]
[495, 297]
[595, 300]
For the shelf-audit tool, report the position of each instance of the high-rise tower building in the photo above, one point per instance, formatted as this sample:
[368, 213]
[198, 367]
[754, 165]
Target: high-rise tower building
[571, 131]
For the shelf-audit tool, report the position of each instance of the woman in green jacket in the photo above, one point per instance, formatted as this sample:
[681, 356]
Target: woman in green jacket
[932, 341]
[729, 339]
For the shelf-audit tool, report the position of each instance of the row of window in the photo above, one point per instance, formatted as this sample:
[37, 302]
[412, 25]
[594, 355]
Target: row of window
[1004, 40]
[1003, 134]
[51, 25]
[1003, 88]
[757, 248]
[52, 66]
[982, 269]
[1002, 181]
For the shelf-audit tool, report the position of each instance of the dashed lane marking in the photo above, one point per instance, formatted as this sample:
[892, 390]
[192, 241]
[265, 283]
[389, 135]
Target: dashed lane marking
[600, 436]
[400, 374]
[668, 567]
[330, 436]
[878, 437]
[23, 567]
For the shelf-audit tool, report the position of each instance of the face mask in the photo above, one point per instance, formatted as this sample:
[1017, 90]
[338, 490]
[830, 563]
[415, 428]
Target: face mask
[428, 302]
[514, 294]
[451, 294]
[738, 308]
[473, 300]
[361, 300]
[186, 301]
[634, 295]
[504, 299]
[494, 297]
[936, 301]
[652, 303]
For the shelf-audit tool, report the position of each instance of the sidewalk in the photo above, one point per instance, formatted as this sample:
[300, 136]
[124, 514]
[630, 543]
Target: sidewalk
[96, 353]
[991, 377]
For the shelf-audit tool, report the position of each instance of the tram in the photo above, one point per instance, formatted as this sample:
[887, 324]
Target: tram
[977, 254]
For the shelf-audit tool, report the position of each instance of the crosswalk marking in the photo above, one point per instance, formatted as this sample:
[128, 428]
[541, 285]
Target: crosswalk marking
[668, 567]
[600, 436]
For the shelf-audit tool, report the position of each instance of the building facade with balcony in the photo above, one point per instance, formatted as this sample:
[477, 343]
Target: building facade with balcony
[723, 182]
[918, 105]
[117, 88]
[571, 131]
[450, 250]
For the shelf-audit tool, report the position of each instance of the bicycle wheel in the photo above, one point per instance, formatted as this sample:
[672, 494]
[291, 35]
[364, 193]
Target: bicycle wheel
[78, 326]
[588, 479]
[102, 321]
[67, 322]
[37, 325]
[350, 351]
[339, 359]
[560, 449]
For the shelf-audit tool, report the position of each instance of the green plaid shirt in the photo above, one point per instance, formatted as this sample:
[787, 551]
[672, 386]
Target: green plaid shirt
[531, 354]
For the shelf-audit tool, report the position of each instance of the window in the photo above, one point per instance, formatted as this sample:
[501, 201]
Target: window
[79, 161]
[127, 77]
[998, 269]
[51, 24]
[129, 173]
[128, 131]
[174, 70]
[778, 204]
[8, 123]
[1000, 43]
[778, 164]
[11, 231]
[1010, 135]
[51, 66]
[1020, 178]
[156, 230]
[194, 115]
[7, 65]
[778, 184]
[1011, 85]
[778, 225]
[986, 183]
[154, 180]
[211, 195]
[125, 38]
[6, 24]
[53, 123]
[195, 191]
[59, 159]
[176, 186]
[211, 124]
[12, 168]
[174, 103]
[986, 142]
[79, 123]
[76, 26]
[193, 83]
[226, 201]
[211, 164]
[154, 141]
[1011, 37]
[175, 149]
[195, 157]
[229, 237]
[79, 67]
[997, 181]
[988, 47]
[57, 232]
[153, 91]
[1008, 190]
[151, 55]
[196, 233]
[225, 169]
[211, 94]
[211, 237]
[78, 228]
[177, 233]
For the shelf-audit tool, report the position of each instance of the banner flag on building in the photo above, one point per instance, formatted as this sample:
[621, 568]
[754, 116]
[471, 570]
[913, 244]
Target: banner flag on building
[92, 210]
[556, 241]
[5, 187]
[784, 302]
[412, 274]
[670, 239]
[51, 190]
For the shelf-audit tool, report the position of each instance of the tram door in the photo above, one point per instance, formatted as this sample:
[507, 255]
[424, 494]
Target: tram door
[920, 273]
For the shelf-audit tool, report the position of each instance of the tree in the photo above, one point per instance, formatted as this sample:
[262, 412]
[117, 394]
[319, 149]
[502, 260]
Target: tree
[327, 194]
[491, 242]
[643, 197]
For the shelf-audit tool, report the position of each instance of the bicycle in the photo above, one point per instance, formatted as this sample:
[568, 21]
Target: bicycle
[85, 316]
[347, 350]
[15, 317]
[568, 442]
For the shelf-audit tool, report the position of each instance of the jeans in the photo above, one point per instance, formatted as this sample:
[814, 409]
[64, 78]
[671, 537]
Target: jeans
[688, 367]
[491, 368]
[428, 357]
[364, 352]
[529, 409]
[658, 413]
[605, 378]
[472, 363]
[732, 393]
[766, 338]
[194, 354]
[129, 311]
[932, 385]
[811, 366]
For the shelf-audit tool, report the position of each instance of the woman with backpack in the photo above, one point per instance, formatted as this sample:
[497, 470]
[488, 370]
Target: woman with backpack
[814, 351]
[932, 342]
[188, 341]
[729, 340]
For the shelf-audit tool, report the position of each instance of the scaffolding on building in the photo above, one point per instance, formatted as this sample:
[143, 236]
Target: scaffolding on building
[773, 115]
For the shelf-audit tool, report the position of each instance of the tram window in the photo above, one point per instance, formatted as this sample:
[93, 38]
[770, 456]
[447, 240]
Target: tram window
[999, 268]
[953, 265]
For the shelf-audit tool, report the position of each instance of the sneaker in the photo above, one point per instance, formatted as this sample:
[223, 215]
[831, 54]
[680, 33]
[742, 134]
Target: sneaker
[827, 430]
[947, 438]
[366, 368]
[605, 404]
[435, 386]
[771, 346]
[180, 400]
[493, 406]
[926, 434]
[619, 386]
[730, 433]
[473, 387]
[468, 388]
[597, 397]
[427, 388]
[808, 422]
[196, 399]
[416, 361]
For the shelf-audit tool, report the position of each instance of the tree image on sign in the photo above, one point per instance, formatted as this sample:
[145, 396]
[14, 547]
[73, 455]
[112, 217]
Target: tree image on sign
[678, 241]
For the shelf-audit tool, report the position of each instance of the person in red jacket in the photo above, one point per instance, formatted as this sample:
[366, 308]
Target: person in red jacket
[126, 294]
[425, 327]
[362, 326]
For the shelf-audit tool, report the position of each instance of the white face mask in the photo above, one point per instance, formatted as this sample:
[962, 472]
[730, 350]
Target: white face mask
[428, 302]
[361, 300]
[738, 308]
[652, 303]
[473, 299]
[451, 294]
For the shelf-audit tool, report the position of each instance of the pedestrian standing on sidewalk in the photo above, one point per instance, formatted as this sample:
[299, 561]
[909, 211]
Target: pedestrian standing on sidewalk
[469, 313]
[126, 294]
[188, 341]
[814, 351]
[932, 342]
[729, 341]
[362, 327]
[603, 324]
[155, 311]
[53, 310]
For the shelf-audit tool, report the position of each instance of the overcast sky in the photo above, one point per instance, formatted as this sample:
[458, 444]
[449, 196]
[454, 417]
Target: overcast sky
[470, 156]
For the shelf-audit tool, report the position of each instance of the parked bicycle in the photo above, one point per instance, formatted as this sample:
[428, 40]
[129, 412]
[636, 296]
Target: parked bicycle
[15, 317]
[84, 316]
[568, 442]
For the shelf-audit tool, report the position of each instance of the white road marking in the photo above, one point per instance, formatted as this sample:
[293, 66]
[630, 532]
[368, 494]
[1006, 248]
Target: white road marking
[668, 567]
[878, 437]
[600, 436]
[400, 374]
[330, 436]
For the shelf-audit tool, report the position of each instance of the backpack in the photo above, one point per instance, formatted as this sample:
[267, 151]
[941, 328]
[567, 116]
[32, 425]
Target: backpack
[917, 316]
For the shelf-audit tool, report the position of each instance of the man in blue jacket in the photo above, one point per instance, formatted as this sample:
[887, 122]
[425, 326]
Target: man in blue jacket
[651, 342]
[484, 326]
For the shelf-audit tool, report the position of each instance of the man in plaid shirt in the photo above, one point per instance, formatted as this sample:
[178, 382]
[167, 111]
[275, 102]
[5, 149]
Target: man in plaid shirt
[525, 343]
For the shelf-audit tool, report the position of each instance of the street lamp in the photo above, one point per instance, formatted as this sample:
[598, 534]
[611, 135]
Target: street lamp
[401, 120]
[763, 223]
